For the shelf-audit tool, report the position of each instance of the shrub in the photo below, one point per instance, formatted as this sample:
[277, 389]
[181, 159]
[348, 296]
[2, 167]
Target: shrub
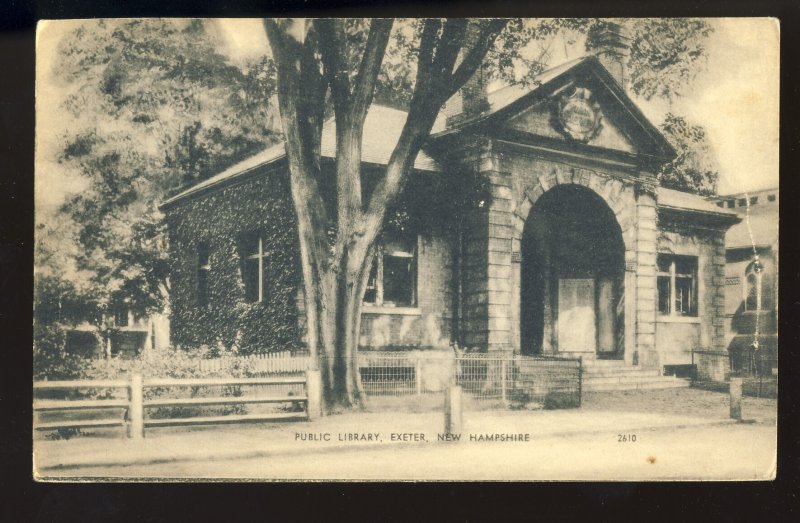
[560, 400]
[50, 359]
[179, 364]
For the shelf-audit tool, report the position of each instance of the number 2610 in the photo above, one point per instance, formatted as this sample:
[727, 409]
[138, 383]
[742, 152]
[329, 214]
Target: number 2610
[626, 438]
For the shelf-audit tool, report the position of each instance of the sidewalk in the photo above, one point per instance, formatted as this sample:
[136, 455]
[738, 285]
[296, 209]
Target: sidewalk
[345, 432]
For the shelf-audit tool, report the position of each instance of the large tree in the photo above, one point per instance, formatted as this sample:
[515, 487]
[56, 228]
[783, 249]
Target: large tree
[149, 105]
[419, 66]
[336, 242]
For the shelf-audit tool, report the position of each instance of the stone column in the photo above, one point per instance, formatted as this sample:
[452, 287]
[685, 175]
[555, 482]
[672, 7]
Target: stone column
[474, 260]
[630, 305]
[548, 305]
[717, 292]
[646, 279]
[516, 290]
[499, 277]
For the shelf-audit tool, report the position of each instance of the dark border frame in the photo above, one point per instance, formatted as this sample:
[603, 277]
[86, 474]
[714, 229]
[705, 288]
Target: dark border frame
[738, 501]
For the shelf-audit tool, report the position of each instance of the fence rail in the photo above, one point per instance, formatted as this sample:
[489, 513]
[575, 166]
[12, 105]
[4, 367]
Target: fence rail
[551, 382]
[548, 380]
[758, 368]
[285, 379]
[135, 406]
[283, 362]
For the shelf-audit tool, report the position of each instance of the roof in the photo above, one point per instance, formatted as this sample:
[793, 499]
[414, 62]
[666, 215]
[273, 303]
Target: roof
[763, 223]
[382, 128]
[505, 102]
[685, 201]
[503, 97]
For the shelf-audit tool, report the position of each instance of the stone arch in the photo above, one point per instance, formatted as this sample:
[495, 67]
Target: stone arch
[617, 195]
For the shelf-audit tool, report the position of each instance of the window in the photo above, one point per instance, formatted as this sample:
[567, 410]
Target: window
[742, 202]
[393, 277]
[753, 200]
[771, 197]
[752, 288]
[731, 204]
[255, 271]
[677, 285]
[203, 270]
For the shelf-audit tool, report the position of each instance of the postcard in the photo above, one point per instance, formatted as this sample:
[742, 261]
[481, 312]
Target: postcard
[406, 250]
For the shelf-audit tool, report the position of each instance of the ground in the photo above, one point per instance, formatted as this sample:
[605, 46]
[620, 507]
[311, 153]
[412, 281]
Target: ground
[668, 434]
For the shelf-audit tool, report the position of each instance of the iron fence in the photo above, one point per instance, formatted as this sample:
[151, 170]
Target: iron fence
[521, 381]
[758, 367]
[513, 380]
[510, 380]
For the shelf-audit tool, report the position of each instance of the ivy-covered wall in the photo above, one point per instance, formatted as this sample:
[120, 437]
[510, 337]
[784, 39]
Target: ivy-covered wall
[260, 204]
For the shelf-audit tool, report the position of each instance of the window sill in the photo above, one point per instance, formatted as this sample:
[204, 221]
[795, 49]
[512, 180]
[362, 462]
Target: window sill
[678, 319]
[382, 309]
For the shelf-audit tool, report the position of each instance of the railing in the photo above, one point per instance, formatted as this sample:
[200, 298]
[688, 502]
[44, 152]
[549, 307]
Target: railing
[284, 362]
[551, 382]
[714, 369]
[135, 405]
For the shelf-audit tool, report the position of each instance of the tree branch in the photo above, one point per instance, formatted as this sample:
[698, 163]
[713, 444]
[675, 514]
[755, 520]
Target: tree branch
[299, 125]
[450, 43]
[332, 48]
[371, 61]
[476, 54]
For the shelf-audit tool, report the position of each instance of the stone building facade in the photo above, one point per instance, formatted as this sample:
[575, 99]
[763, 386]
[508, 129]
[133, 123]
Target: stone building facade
[578, 253]
[751, 274]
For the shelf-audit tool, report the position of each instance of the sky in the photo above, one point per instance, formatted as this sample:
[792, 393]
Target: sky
[735, 98]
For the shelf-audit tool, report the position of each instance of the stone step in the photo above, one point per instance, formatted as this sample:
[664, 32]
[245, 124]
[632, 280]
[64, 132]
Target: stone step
[626, 379]
[661, 384]
[623, 371]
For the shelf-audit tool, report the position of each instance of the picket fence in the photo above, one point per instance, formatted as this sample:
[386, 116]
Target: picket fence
[284, 362]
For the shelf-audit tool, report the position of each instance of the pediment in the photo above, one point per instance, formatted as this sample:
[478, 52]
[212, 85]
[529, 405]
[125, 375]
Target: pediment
[574, 115]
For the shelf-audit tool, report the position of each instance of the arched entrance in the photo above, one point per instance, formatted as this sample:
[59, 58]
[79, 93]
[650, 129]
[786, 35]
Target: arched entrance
[572, 275]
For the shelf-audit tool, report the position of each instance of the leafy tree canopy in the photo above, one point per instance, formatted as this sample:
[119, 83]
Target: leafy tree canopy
[150, 105]
[695, 167]
[154, 104]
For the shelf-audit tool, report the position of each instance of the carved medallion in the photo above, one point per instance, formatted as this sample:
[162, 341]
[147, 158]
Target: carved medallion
[578, 116]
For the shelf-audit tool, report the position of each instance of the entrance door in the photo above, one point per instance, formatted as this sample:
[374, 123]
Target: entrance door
[577, 330]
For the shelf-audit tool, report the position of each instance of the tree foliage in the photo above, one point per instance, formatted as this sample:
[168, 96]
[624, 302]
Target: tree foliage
[694, 168]
[151, 104]
[154, 104]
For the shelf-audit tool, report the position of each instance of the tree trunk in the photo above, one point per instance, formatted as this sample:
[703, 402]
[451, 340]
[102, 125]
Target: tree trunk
[335, 271]
[333, 314]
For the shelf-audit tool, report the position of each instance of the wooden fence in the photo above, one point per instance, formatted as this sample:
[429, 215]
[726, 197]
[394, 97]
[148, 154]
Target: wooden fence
[135, 404]
[284, 362]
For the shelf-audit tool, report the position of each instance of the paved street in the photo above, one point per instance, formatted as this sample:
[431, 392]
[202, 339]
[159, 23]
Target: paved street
[739, 451]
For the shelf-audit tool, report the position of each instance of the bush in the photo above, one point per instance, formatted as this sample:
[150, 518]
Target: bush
[560, 400]
[179, 364]
[50, 359]
[172, 363]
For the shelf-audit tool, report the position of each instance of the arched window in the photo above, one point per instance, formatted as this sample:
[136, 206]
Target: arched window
[752, 288]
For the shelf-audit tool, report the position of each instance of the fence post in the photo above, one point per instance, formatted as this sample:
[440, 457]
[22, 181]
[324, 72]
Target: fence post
[503, 376]
[418, 373]
[736, 398]
[136, 408]
[314, 394]
[452, 410]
